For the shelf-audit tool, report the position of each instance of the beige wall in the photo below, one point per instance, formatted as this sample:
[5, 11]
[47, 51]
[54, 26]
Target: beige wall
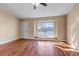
[60, 25]
[9, 27]
[73, 27]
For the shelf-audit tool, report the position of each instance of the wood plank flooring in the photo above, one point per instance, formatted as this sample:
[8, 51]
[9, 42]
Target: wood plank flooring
[24, 47]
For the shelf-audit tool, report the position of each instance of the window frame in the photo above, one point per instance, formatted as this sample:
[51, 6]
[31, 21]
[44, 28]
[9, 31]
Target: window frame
[48, 21]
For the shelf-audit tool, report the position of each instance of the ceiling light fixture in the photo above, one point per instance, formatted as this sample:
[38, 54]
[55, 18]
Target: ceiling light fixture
[35, 5]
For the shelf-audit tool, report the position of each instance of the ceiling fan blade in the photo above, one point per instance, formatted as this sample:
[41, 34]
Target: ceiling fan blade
[34, 7]
[44, 4]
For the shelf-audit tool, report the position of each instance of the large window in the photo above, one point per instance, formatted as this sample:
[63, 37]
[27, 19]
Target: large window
[46, 29]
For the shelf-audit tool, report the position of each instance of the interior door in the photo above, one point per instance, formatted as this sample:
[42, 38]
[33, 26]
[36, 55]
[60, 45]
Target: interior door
[24, 28]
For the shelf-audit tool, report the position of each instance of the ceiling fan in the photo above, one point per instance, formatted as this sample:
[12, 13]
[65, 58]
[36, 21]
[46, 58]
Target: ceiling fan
[36, 4]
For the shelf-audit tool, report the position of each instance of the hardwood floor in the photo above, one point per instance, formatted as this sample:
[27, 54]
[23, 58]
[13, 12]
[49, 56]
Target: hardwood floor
[23, 47]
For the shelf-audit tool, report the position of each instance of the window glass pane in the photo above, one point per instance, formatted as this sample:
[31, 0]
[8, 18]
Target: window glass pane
[46, 29]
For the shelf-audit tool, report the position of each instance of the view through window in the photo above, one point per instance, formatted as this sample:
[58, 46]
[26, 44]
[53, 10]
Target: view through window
[46, 29]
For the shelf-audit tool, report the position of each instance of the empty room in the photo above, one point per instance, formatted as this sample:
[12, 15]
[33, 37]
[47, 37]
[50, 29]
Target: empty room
[39, 29]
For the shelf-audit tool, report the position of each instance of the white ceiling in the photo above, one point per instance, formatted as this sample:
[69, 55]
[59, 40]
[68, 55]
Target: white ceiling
[25, 10]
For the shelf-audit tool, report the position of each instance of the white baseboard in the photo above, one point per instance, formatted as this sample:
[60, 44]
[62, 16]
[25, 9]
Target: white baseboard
[7, 41]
